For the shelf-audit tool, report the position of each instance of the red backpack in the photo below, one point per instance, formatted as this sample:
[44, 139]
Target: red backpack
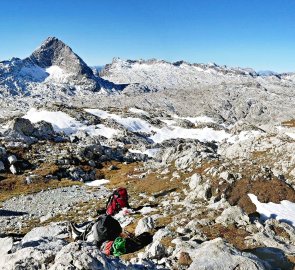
[117, 201]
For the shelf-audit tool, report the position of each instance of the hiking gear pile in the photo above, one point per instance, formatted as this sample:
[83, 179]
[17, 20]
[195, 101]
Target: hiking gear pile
[106, 231]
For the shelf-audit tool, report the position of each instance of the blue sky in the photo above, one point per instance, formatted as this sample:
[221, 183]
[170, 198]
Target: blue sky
[248, 33]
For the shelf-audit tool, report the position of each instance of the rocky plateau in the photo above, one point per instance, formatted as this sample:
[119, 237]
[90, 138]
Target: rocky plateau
[206, 153]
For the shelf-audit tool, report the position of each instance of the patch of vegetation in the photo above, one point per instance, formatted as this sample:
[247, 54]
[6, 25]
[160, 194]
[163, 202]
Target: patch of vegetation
[289, 123]
[267, 190]
[14, 186]
[235, 236]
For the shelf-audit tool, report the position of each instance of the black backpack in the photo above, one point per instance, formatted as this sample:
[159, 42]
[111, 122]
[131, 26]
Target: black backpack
[105, 228]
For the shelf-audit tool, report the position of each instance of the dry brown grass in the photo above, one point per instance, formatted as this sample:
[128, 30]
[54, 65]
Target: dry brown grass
[266, 190]
[259, 154]
[289, 123]
[131, 227]
[281, 232]
[184, 259]
[152, 184]
[46, 169]
[206, 165]
[291, 259]
[119, 177]
[127, 257]
[167, 241]
[164, 221]
[235, 236]
[14, 185]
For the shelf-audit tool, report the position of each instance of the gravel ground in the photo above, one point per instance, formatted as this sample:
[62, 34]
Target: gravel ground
[16, 211]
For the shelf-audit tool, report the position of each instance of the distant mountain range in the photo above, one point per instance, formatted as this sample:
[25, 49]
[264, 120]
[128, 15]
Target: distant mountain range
[54, 68]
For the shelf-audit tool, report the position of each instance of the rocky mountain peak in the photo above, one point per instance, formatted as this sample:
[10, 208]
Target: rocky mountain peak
[54, 52]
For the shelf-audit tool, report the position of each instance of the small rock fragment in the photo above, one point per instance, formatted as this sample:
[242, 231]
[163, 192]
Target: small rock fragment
[13, 169]
[12, 159]
[2, 167]
[184, 259]
[145, 224]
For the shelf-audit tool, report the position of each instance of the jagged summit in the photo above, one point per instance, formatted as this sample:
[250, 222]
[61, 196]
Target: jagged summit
[54, 52]
[52, 69]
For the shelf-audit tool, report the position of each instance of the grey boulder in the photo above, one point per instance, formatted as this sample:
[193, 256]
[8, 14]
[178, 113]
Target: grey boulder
[217, 254]
[195, 180]
[52, 230]
[22, 126]
[145, 224]
[43, 130]
[233, 215]
[6, 245]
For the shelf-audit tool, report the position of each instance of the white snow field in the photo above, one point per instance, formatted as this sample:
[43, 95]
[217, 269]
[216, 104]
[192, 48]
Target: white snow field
[57, 74]
[138, 111]
[59, 120]
[149, 152]
[165, 133]
[62, 122]
[284, 211]
[202, 134]
[34, 72]
[198, 119]
[97, 183]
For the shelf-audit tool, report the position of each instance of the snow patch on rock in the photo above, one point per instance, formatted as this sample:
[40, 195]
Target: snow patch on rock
[284, 211]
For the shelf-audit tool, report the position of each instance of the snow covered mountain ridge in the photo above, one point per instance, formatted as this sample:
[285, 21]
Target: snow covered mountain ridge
[162, 74]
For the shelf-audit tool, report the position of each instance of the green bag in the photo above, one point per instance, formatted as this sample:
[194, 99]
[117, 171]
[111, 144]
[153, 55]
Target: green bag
[119, 246]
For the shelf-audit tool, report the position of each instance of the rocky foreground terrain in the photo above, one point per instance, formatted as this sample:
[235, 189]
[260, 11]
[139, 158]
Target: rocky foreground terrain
[206, 153]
